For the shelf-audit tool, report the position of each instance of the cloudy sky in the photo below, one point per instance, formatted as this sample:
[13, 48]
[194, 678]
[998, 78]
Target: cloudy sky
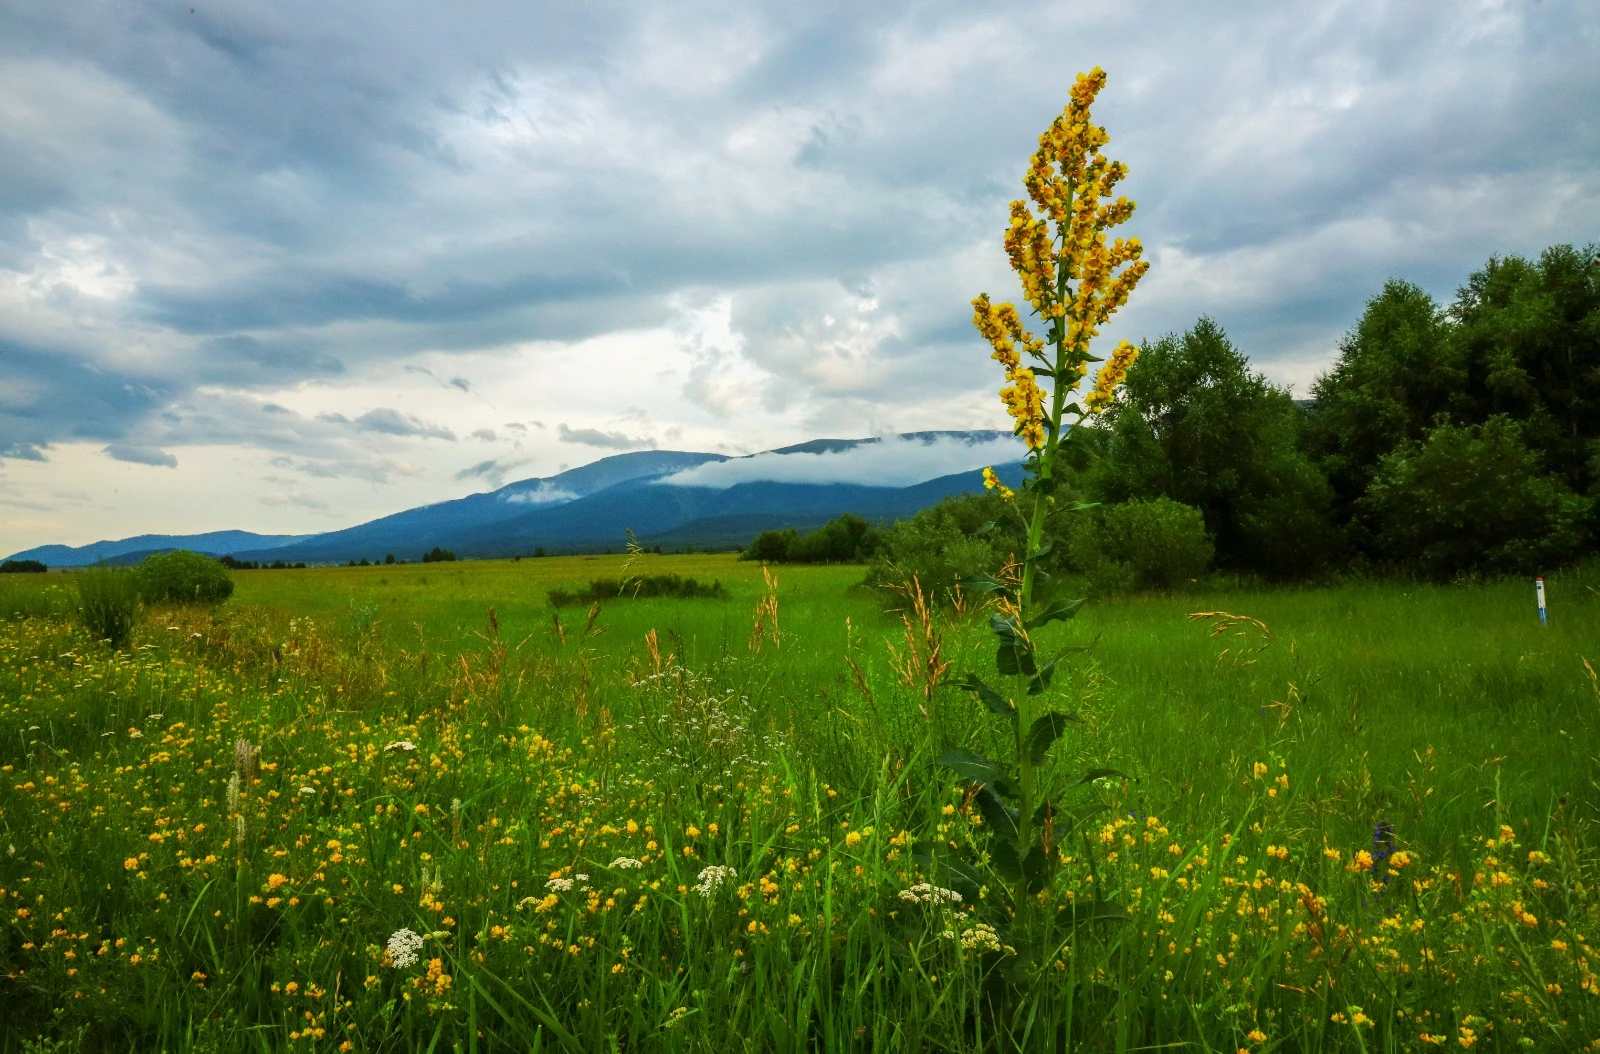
[287, 266]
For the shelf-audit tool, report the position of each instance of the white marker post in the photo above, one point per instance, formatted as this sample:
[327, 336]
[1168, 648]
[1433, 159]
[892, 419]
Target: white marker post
[1538, 586]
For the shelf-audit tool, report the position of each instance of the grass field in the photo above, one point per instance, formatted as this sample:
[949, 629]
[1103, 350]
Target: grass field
[546, 804]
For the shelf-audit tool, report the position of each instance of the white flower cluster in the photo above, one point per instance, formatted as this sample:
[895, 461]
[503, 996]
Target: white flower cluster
[626, 863]
[402, 744]
[980, 937]
[559, 885]
[307, 791]
[928, 893]
[403, 947]
[712, 878]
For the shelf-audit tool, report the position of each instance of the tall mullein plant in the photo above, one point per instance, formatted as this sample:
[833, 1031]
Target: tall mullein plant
[1073, 280]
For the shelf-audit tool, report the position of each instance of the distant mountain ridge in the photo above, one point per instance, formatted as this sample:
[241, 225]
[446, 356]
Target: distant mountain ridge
[215, 543]
[586, 509]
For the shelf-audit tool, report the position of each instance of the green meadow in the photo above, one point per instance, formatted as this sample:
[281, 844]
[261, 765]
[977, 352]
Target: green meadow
[1356, 817]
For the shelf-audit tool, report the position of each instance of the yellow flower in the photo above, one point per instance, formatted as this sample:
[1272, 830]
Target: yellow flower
[1400, 859]
[1071, 278]
[275, 880]
[852, 839]
[991, 481]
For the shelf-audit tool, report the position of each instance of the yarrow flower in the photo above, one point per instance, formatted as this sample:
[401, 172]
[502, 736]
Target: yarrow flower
[928, 893]
[712, 878]
[401, 744]
[403, 947]
[626, 863]
[560, 885]
[979, 937]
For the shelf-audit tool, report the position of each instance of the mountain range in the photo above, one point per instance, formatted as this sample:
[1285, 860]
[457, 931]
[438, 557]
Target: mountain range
[653, 493]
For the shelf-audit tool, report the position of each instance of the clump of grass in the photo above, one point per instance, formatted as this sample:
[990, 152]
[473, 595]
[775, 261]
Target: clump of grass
[29, 600]
[675, 587]
[108, 603]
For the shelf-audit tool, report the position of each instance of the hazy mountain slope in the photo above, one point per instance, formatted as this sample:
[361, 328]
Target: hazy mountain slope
[215, 542]
[413, 532]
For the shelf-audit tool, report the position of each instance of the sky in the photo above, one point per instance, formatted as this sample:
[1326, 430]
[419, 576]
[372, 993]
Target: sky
[286, 267]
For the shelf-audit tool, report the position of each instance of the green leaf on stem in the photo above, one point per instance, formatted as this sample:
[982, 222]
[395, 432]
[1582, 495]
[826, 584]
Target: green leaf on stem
[997, 703]
[983, 582]
[974, 767]
[1016, 650]
[1057, 610]
[1000, 817]
[1039, 682]
[1044, 732]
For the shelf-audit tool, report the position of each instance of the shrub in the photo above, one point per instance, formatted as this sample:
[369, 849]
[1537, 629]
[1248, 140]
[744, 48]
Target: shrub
[770, 547]
[1158, 544]
[945, 542]
[846, 540]
[108, 602]
[22, 567]
[182, 577]
[436, 555]
[1472, 499]
[601, 590]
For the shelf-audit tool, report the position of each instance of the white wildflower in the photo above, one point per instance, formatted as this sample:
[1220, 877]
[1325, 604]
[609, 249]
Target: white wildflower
[134, 733]
[980, 937]
[713, 877]
[403, 947]
[626, 863]
[233, 793]
[307, 791]
[928, 893]
[559, 885]
[401, 744]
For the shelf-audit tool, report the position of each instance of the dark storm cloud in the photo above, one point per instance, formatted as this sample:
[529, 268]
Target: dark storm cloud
[261, 196]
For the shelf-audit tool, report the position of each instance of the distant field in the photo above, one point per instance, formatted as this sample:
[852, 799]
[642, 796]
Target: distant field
[546, 752]
[1382, 671]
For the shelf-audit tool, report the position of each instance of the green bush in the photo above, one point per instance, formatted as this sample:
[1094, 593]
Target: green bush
[771, 547]
[846, 540]
[438, 555]
[22, 567]
[108, 602]
[182, 577]
[602, 590]
[945, 542]
[1157, 544]
[1472, 500]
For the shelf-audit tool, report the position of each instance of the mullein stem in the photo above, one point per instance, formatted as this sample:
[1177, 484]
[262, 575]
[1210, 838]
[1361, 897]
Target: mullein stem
[1043, 460]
